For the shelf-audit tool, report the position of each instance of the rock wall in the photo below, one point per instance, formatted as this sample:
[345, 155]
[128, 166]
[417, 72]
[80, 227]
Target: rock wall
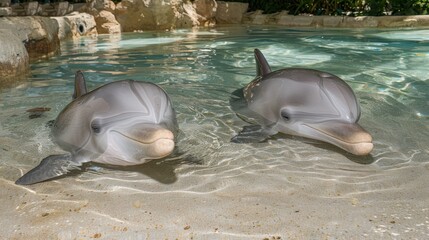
[284, 19]
[25, 38]
[76, 25]
[38, 34]
[230, 12]
[103, 10]
[136, 15]
[14, 59]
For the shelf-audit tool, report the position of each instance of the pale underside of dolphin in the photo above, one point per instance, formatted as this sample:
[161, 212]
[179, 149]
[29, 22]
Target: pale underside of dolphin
[121, 123]
[301, 102]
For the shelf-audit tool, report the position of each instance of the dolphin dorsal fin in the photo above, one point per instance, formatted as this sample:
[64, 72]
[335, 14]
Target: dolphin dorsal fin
[79, 85]
[262, 67]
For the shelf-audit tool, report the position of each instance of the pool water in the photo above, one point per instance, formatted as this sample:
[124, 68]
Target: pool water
[210, 188]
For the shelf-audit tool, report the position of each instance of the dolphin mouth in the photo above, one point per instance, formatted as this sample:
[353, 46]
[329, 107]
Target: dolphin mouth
[146, 143]
[350, 137]
[148, 135]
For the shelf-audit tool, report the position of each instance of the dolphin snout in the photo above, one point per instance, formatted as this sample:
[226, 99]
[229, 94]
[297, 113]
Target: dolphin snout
[139, 143]
[150, 134]
[348, 136]
[160, 148]
[359, 142]
[158, 142]
[360, 149]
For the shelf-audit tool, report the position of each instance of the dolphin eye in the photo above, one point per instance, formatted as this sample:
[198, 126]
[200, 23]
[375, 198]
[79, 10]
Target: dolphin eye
[285, 116]
[96, 127]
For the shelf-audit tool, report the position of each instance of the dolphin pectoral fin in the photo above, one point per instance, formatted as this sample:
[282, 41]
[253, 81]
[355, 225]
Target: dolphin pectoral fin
[251, 134]
[50, 167]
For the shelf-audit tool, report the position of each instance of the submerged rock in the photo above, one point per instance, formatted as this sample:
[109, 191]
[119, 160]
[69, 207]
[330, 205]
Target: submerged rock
[37, 112]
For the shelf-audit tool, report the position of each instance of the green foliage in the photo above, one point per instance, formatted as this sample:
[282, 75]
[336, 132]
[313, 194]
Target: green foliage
[333, 7]
[340, 7]
[409, 7]
[267, 6]
[375, 7]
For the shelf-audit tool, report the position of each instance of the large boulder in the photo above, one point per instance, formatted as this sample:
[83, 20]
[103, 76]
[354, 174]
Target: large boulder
[5, 11]
[106, 23]
[206, 11]
[102, 10]
[230, 12]
[5, 3]
[14, 60]
[39, 34]
[164, 14]
[76, 25]
[147, 14]
[94, 6]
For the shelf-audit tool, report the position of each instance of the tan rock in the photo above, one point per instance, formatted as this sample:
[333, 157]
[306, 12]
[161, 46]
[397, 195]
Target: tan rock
[403, 21]
[39, 34]
[76, 25]
[102, 10]
[257, 17]
[94, 6]
[233, 12]
[206, 11]
[5, 3]
[14, 60]
[136, 15]
[106, 23]
[283, 18]
[185, 16]
[106, 5]
[360, 22]
[5, 11]
[331, 21]
[144, 14]
[296, 21]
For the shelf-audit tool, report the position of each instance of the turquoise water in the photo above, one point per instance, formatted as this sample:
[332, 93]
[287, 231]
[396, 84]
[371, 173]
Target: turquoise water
[287, 187]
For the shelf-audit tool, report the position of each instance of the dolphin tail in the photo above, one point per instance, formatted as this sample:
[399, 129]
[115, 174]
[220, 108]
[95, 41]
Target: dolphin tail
[50, 167]
[79, 85]
[262, 66]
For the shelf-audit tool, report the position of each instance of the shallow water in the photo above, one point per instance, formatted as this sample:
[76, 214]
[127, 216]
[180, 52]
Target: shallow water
[288, 187]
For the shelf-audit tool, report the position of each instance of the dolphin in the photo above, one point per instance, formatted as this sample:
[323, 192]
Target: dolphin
[121, 123]
[301, 102]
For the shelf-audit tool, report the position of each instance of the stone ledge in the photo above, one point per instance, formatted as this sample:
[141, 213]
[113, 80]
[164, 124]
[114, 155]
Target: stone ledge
[284, 19]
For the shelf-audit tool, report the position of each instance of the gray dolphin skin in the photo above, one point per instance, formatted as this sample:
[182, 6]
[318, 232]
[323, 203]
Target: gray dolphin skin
[121, 123]
[301, 102]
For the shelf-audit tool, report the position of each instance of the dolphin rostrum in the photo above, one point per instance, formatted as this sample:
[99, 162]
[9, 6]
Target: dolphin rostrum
[121, 123]
[301, 102]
